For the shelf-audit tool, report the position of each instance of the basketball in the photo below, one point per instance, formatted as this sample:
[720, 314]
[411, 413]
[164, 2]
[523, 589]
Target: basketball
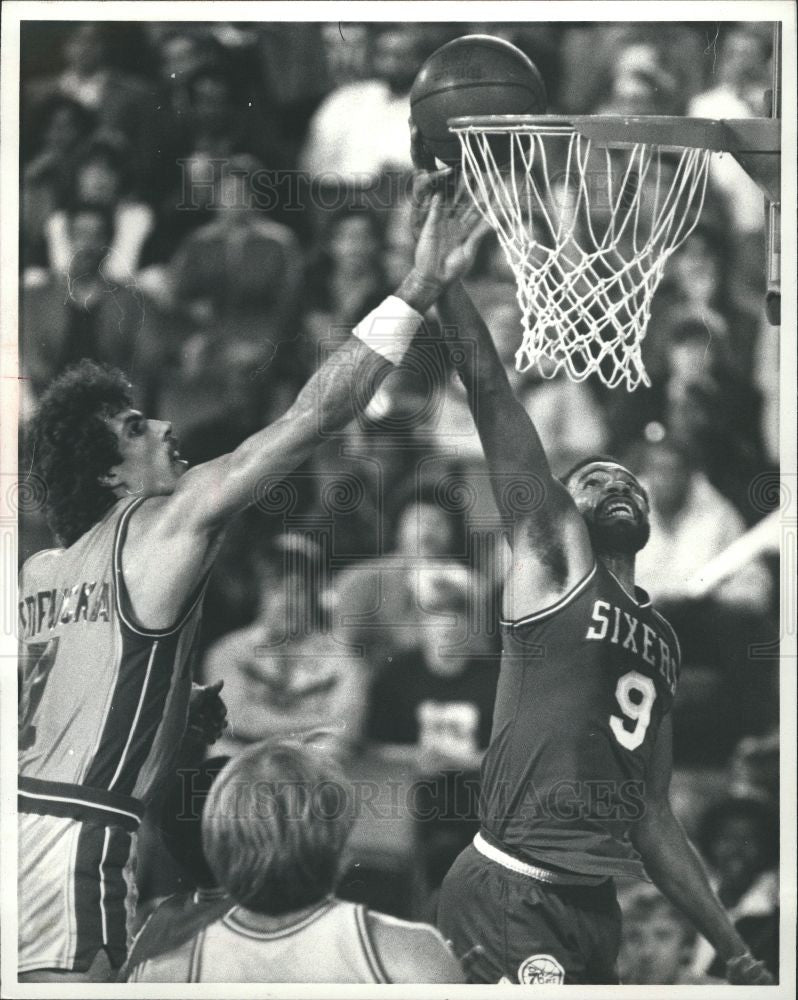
[473, 75]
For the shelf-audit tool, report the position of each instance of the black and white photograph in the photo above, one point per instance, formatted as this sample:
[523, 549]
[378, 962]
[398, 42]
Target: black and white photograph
[398, 498]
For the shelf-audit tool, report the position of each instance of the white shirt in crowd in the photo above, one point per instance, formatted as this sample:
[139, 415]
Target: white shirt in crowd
[358, 131]
[705, 526]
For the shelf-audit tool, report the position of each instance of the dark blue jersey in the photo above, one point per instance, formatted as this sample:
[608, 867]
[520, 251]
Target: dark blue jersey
[583, 687]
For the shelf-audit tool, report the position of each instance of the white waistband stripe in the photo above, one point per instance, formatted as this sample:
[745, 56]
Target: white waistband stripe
[517, 866]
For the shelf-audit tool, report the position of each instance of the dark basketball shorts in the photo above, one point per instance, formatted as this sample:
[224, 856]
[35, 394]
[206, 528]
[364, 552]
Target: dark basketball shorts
[528, 931]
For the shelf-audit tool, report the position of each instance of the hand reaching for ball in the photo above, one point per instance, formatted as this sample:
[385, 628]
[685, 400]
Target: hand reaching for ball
[447, 230]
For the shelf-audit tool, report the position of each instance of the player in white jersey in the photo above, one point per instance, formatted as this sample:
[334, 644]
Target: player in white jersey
[274, 828]
[108, 623]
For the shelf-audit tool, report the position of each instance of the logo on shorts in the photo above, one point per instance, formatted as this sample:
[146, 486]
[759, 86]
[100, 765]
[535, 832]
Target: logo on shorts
[541, 970]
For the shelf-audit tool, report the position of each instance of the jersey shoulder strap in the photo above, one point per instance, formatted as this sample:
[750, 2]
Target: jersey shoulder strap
[567, 598]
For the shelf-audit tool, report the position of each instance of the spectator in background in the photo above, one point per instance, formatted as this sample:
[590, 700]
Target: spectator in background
[184, 51]
[221, 123]
[754, 768]
[178, 917]
[658, 942]
[347, 281]
[700, 283]
[121, 102]
[640, 82]
[377, 607]
[240, 273]
[63, 125]
[438, 698]
[713, 406]
[360, 130]
[101, 179]
[285, 674]
[691, 523]
[439, 695]
[741, 76]
[81, 313]
[739, 839]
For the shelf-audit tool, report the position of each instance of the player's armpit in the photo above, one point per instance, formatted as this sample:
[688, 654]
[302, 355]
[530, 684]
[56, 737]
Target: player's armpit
[412, 953]
[552, 559]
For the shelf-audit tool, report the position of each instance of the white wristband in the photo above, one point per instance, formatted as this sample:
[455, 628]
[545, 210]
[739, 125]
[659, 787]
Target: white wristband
[389, 328]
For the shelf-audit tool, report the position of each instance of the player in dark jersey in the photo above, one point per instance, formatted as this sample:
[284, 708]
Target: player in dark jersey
[575, 781]
[108, 623]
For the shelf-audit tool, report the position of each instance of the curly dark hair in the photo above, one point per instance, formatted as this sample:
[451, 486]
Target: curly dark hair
[72, 446]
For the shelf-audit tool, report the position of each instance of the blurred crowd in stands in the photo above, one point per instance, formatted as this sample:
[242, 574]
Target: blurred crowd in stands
[211, 207]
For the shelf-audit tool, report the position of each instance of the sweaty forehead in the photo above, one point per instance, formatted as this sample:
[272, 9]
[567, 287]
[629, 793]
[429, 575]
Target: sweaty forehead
[609, 468]
[119, 418]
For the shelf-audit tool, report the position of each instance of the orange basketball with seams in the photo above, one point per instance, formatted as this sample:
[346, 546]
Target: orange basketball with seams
[473, 75]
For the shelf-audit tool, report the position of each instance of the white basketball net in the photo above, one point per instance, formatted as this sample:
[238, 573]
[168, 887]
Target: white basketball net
[589, 244]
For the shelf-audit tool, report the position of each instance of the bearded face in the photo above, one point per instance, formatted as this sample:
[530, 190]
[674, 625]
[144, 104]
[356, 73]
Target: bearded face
[614, 507]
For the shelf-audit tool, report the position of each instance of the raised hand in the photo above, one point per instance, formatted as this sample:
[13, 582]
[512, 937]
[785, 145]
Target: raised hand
[447, 231]
[207, 713]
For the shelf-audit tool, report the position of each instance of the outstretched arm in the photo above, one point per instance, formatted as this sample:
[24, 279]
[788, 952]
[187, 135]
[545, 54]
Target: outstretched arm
[208, 495]
[678, 872]
[551, 548]
[188, 524]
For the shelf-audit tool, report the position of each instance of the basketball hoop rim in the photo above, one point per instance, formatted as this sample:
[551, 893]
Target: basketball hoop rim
[761, 135]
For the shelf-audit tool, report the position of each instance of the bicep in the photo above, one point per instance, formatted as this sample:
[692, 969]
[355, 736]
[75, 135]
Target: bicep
[658, 779]
[208, 494]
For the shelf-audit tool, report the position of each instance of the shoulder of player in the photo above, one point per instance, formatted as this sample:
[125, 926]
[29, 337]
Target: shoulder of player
[170, 514]
[412, 952]
[38, 563]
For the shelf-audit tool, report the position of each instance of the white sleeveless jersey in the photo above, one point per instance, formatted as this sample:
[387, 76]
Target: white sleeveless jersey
[330, 945]
[104, 702]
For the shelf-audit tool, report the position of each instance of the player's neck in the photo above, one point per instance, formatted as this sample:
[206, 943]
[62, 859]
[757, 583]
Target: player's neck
[269, 922]
[622, 566]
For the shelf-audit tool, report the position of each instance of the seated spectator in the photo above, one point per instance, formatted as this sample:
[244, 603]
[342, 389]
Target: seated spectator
[285, 674]
[62, 126]
[740, 78]
[241, 272]
[754, 768]
[439, 698]
[658, 942]
[360, 130]
[80, 312]
[377, 608]
[714, 407]
[274, 830]
[180, 916]
[640, 82]
[739, 839]
[691, 523]
[122, 102]
[347, 280]
[101, 179]
[702, 281]
[222, 122]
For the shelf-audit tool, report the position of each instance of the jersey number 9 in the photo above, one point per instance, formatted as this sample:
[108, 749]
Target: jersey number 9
[635, 693]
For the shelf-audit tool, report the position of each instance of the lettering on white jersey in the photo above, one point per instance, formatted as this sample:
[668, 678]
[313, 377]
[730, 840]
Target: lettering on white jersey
[87, 602]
